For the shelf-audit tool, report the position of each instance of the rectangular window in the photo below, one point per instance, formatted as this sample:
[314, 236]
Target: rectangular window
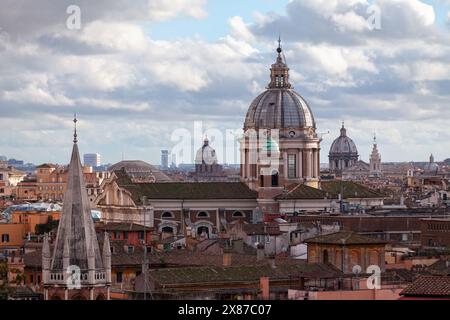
[292, 166]
[141, 235]
[125, 235]
[119, 277]
[5, 237]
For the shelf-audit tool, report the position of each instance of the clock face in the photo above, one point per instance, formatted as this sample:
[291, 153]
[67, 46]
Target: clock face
[292, 134]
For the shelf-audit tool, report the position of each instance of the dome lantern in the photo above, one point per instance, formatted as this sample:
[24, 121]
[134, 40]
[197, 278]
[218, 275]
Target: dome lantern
[280, 107]
[279, 72]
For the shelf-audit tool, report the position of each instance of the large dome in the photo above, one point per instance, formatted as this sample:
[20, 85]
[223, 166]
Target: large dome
[343, 145]
[279, 107]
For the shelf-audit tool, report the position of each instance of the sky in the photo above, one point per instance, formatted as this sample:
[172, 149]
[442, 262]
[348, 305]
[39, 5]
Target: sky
[148, 75]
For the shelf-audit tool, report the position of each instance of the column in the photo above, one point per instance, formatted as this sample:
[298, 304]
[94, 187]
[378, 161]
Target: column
[313, 163]
[316, 163]
[246, 165]
[308, 164]
[304, 164]
[218, 220]
[300, 164]
[285, 165]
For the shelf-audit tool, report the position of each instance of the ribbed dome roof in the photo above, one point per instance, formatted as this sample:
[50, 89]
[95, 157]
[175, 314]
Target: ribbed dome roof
[279, 107]
[343, 145]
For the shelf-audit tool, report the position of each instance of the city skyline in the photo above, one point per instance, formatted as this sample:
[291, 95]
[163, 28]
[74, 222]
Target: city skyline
[131, 93]
[248, 152]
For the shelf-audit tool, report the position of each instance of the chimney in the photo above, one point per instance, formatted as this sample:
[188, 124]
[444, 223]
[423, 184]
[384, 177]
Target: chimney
[265, 289]
[226, 259]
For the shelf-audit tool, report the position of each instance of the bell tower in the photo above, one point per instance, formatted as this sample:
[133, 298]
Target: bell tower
[375, 160]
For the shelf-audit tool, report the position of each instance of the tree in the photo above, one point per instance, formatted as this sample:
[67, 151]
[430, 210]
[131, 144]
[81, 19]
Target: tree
[46, 227]
[4, 286]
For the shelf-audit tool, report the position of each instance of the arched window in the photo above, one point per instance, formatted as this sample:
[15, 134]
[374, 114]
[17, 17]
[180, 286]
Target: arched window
[274, 178]
[325, 256]
[5, 237]
[238, 214]
[202, 214]
[203, 230]
[338, 259]
[374, 258]
[167, 229]
[167, 214]
[354, 258]
[261, 181]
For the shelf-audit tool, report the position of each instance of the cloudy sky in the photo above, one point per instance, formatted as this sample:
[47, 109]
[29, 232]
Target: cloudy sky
[140, 73]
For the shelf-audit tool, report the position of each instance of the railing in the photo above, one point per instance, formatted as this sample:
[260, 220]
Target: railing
[82, 277]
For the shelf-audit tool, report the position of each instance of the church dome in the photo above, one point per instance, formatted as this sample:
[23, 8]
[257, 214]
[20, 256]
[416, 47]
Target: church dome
[431, 167]
[206, 154]
[140, 170]
[343, 145]
[279, 107]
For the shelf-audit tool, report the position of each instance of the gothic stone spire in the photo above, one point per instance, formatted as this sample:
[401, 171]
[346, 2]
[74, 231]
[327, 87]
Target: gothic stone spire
[76, 231]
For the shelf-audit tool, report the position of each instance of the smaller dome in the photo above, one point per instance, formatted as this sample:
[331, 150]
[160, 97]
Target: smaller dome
[206, 154]
[343, 145]
[140, 170]
[431, 167]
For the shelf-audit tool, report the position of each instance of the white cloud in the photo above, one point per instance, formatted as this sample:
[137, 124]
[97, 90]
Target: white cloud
[161, 10]
[239, 30]
[135, 89]
[29, 17]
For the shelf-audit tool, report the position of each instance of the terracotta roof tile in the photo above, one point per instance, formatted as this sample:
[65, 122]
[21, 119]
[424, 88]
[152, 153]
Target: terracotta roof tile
[185, 190]
[302, 191]
[351, 190]
[344, 238]
[435, 286]
[211, 275]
